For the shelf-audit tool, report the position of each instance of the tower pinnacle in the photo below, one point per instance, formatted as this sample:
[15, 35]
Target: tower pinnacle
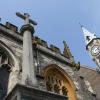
[88, 35]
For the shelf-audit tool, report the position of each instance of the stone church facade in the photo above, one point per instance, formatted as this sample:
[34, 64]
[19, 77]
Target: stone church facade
[56, 73]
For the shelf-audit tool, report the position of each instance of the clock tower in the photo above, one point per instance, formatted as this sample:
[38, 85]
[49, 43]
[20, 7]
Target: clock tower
[92, 45]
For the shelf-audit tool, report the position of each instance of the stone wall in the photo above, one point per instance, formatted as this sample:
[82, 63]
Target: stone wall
[43, 58]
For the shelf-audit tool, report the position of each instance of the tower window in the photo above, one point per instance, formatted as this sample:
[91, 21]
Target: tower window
[88, 38]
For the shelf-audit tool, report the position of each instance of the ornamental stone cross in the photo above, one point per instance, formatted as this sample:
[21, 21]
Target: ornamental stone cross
[25, 17]
[28, 67]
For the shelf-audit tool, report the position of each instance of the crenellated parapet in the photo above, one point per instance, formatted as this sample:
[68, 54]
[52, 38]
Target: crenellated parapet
[12, 31]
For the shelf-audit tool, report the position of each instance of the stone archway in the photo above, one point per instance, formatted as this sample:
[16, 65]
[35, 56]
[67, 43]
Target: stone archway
[5, 49]
[7, 58]
[57, 81]
[6, 63]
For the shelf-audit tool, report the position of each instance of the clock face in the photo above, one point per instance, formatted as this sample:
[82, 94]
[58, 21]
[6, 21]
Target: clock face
[95, 50]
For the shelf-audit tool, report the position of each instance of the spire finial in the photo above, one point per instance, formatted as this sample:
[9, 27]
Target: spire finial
[81, 25]
[88, 36]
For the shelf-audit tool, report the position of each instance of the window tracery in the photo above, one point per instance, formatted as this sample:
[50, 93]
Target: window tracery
[59, 82]
[56, 88]
[64, 91]
[54, 83]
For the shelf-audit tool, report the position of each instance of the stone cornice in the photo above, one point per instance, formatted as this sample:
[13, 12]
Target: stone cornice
[53, 54]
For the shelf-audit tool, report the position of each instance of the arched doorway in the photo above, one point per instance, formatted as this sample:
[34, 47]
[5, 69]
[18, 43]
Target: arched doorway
[57, 81]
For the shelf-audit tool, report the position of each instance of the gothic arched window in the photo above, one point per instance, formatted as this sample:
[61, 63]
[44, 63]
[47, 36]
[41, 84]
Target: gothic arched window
[4, 77]
[7, 60]
[58, 82]
[54, 83]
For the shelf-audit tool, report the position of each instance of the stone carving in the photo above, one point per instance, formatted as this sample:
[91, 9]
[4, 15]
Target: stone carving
[66, 51]
[76, 66]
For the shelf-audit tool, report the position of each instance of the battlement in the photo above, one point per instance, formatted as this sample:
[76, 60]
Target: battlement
[12, 28]
[12, 31]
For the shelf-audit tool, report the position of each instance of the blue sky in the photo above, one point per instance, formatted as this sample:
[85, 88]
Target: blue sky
[58, 20]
